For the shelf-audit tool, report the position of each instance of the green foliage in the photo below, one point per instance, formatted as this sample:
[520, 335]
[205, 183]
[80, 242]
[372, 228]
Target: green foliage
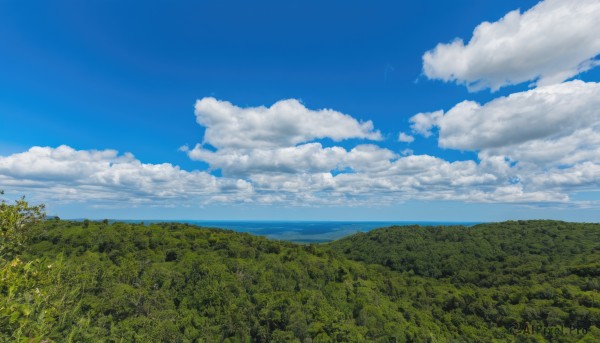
[15, 225]
[505, 274]
[117, 282]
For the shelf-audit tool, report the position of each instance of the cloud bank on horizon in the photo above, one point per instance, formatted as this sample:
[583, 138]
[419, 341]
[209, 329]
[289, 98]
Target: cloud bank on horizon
[533, 147]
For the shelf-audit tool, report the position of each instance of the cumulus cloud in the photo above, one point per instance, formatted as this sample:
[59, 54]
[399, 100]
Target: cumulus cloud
[405, 138]
[296, 169]
[285, 123]
[580, 146]
[551, 42]
[546, 140]
[422, 123]
[310, 157]
[276, 139]
[582, 176]
[548, 112]
[366, 174]
[301, 171]
[304, 158]
[66, 174]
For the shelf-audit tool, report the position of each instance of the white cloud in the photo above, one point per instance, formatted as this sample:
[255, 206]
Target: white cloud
[295, 170]
[546, 140]
[582, 176]
[407, 152]
[405, 138]
[515, 194]
[279, 139]
[304, 158]
[579, 146]
[310, 157]
[422, 123]
[66, 174]
[308, 173]
[547, 113]
[286, 123]
[551, 42]
[367, 174]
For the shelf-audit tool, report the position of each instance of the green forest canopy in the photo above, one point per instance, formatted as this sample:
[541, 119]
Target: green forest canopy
[88, 281]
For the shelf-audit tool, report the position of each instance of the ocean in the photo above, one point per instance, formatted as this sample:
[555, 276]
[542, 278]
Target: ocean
[303, 231]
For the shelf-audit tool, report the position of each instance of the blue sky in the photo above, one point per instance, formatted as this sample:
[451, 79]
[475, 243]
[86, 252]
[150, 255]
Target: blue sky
[153, 110]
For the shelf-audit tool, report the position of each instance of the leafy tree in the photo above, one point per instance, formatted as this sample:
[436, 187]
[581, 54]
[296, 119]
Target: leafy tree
[16, 222]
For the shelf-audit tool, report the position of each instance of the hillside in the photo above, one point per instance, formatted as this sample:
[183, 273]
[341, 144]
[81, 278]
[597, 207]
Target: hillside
[82, 281]
[546, 272]
[485, 254]
[96, 281]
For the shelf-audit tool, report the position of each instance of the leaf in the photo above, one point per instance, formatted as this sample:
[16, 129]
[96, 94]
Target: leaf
[14, 317]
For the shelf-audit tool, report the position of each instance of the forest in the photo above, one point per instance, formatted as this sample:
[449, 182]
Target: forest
[101, 281]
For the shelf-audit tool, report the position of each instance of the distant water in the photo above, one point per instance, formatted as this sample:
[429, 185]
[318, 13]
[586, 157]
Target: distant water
[302, 231]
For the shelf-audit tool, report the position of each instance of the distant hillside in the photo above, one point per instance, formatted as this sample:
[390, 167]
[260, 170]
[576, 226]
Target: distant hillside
[484, 254]
[121, 282]
[522, 271]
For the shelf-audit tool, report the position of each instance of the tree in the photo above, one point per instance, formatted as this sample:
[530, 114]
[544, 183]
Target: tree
[16, 222]
[23, 306]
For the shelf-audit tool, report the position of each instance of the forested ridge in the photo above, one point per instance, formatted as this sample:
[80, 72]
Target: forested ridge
[95, 281]
[511, 273]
